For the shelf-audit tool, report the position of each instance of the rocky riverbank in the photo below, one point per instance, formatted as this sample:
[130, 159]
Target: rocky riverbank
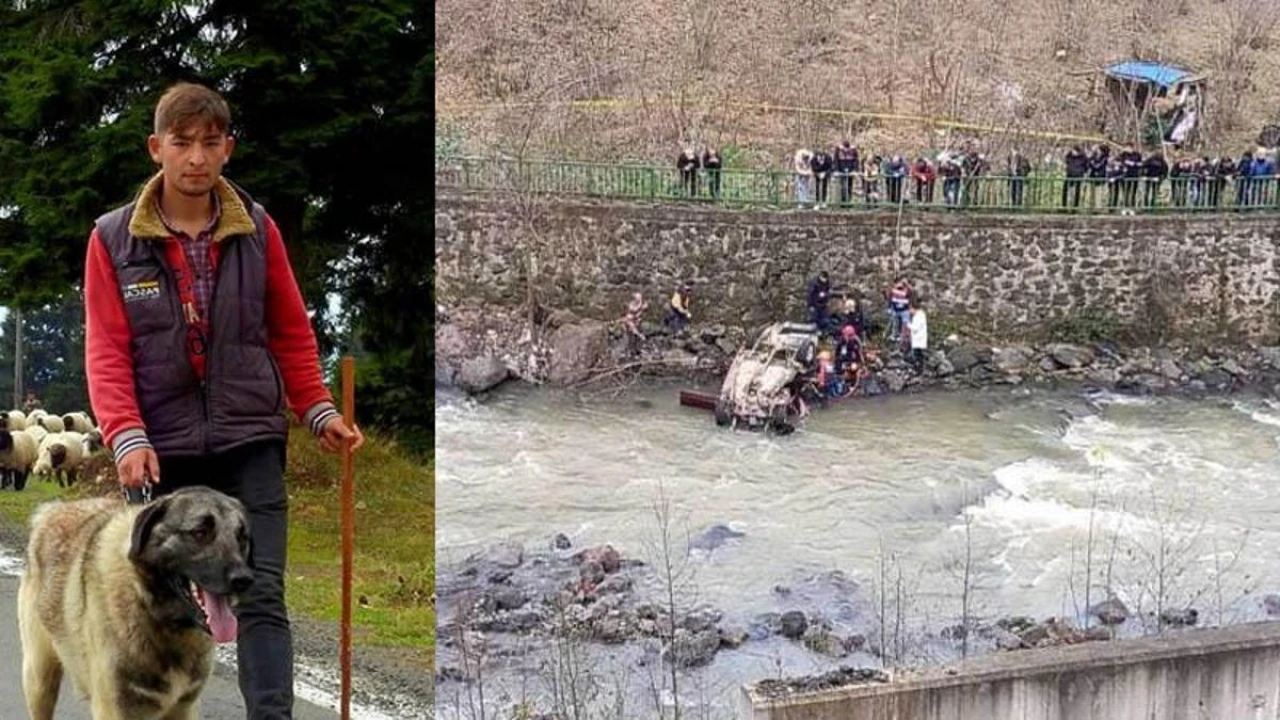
[479, 348]
[501, 607]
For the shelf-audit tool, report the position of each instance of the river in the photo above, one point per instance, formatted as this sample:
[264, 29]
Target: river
[1179, 496]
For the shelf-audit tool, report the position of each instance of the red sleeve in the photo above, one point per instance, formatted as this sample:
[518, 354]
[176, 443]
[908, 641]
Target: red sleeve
[290, 337]
[108, 360]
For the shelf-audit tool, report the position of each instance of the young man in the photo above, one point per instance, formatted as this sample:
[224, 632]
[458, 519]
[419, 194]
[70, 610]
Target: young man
[197, 340]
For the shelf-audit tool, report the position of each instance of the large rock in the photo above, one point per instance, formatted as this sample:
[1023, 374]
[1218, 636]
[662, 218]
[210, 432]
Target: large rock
[607, 557]
[576, 349]
[1110, 611]
[824, 642]
[505, 555]
[479, 374]
[1010, 359]
[450, 351]
[1071, 357]
[962, 358]
[694, 649]
[793, 624]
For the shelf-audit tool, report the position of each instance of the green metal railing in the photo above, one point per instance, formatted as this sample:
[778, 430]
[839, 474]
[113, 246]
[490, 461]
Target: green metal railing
[1038, 193]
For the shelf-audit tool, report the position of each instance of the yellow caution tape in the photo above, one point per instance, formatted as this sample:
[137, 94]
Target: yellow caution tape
[630, 103]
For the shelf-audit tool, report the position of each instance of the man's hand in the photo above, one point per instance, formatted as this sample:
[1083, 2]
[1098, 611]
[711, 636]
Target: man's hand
[336, 431]
[137, 467]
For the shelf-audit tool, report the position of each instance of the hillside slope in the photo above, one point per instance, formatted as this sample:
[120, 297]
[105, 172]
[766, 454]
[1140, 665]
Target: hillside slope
[1002, 63]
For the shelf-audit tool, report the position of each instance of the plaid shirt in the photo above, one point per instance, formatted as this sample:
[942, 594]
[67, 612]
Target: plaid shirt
[196, 251]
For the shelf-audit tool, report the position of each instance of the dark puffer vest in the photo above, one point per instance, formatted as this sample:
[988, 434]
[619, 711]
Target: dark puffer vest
[242, 398]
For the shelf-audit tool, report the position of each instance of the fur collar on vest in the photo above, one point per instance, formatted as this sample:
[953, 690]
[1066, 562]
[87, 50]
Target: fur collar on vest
[146, 222]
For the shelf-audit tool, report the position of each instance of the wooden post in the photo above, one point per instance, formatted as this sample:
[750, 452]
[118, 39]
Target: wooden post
[348, 529]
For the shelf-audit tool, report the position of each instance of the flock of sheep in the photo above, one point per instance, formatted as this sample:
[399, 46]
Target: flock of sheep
[44, 445]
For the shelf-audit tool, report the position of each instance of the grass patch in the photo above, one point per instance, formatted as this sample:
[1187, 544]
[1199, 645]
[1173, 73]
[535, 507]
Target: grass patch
[16, 507]
[394, 572]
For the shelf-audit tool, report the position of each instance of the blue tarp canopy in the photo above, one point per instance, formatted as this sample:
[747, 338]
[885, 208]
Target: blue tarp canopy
[1142, 71]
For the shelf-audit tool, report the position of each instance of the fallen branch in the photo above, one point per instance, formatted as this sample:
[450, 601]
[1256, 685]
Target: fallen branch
[636, 365]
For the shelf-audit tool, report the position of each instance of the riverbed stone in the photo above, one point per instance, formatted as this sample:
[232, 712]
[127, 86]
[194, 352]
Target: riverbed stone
[792, 624]
[576, 349]
[733, 637]
[510, 598]
[1111, 611]
[1071, 357]
[963, 357]
[1011, 358]
[605, 555]
[480, 374]
[823, 641]
[505, 555]
[689, 649]
[614, 585]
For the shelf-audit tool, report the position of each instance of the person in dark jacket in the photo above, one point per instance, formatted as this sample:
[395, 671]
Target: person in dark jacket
[687, 164]
[895, 174]
[1115, 182]
[1019, 168]
[196, 341]
[711, 163]
[1131, 161]
[847, 166]
[1179, 176]
[822, 166]
[1077, 165]
[1154, 171]
[818, 300]
[1263, 178]
[1097, 163]
[1244, 181]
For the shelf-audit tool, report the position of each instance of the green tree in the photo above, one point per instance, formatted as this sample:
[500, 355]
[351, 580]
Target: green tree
[53, 345]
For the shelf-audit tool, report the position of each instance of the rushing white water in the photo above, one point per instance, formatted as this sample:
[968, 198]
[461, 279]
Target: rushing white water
[1050, 501]
[1179, 490]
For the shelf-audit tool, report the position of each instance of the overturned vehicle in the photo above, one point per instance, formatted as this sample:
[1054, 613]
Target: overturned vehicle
[762, 388]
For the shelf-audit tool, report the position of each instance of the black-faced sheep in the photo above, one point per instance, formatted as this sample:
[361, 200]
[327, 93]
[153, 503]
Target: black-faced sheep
[18, 452]
[60, 455]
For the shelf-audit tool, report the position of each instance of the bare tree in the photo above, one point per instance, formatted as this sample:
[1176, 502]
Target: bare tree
[671, 557]
[1249, 25]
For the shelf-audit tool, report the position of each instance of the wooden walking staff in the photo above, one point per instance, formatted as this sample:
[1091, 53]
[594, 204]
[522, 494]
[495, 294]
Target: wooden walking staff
[348, 530]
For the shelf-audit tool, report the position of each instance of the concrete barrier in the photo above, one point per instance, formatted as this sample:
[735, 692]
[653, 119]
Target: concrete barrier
[1208, 674]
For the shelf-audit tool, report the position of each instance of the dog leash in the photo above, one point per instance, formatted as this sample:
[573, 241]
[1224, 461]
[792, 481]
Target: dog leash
[137, 495]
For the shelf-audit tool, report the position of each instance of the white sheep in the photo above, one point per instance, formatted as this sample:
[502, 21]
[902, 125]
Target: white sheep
[18, 452]
[78, 422]
[52, 423]
[13, 420]
[61, 455]
[37, 432]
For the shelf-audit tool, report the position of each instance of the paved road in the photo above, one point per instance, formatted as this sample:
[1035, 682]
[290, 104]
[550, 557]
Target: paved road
[221, 699]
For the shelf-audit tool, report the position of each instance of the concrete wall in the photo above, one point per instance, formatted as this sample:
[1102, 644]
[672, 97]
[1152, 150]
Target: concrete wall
[1195, 675]
[1189, 275]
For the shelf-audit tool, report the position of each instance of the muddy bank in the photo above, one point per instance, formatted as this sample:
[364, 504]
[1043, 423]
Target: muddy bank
[479, 348]
[390, 681]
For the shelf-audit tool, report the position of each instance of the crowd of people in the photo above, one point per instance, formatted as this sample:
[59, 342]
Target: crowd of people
[1122, 180]
[838, 317]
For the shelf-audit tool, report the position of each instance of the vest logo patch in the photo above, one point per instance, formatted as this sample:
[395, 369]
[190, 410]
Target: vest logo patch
[147, 290]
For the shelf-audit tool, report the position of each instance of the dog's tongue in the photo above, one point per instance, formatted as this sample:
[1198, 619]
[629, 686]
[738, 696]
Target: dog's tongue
[222, 622]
